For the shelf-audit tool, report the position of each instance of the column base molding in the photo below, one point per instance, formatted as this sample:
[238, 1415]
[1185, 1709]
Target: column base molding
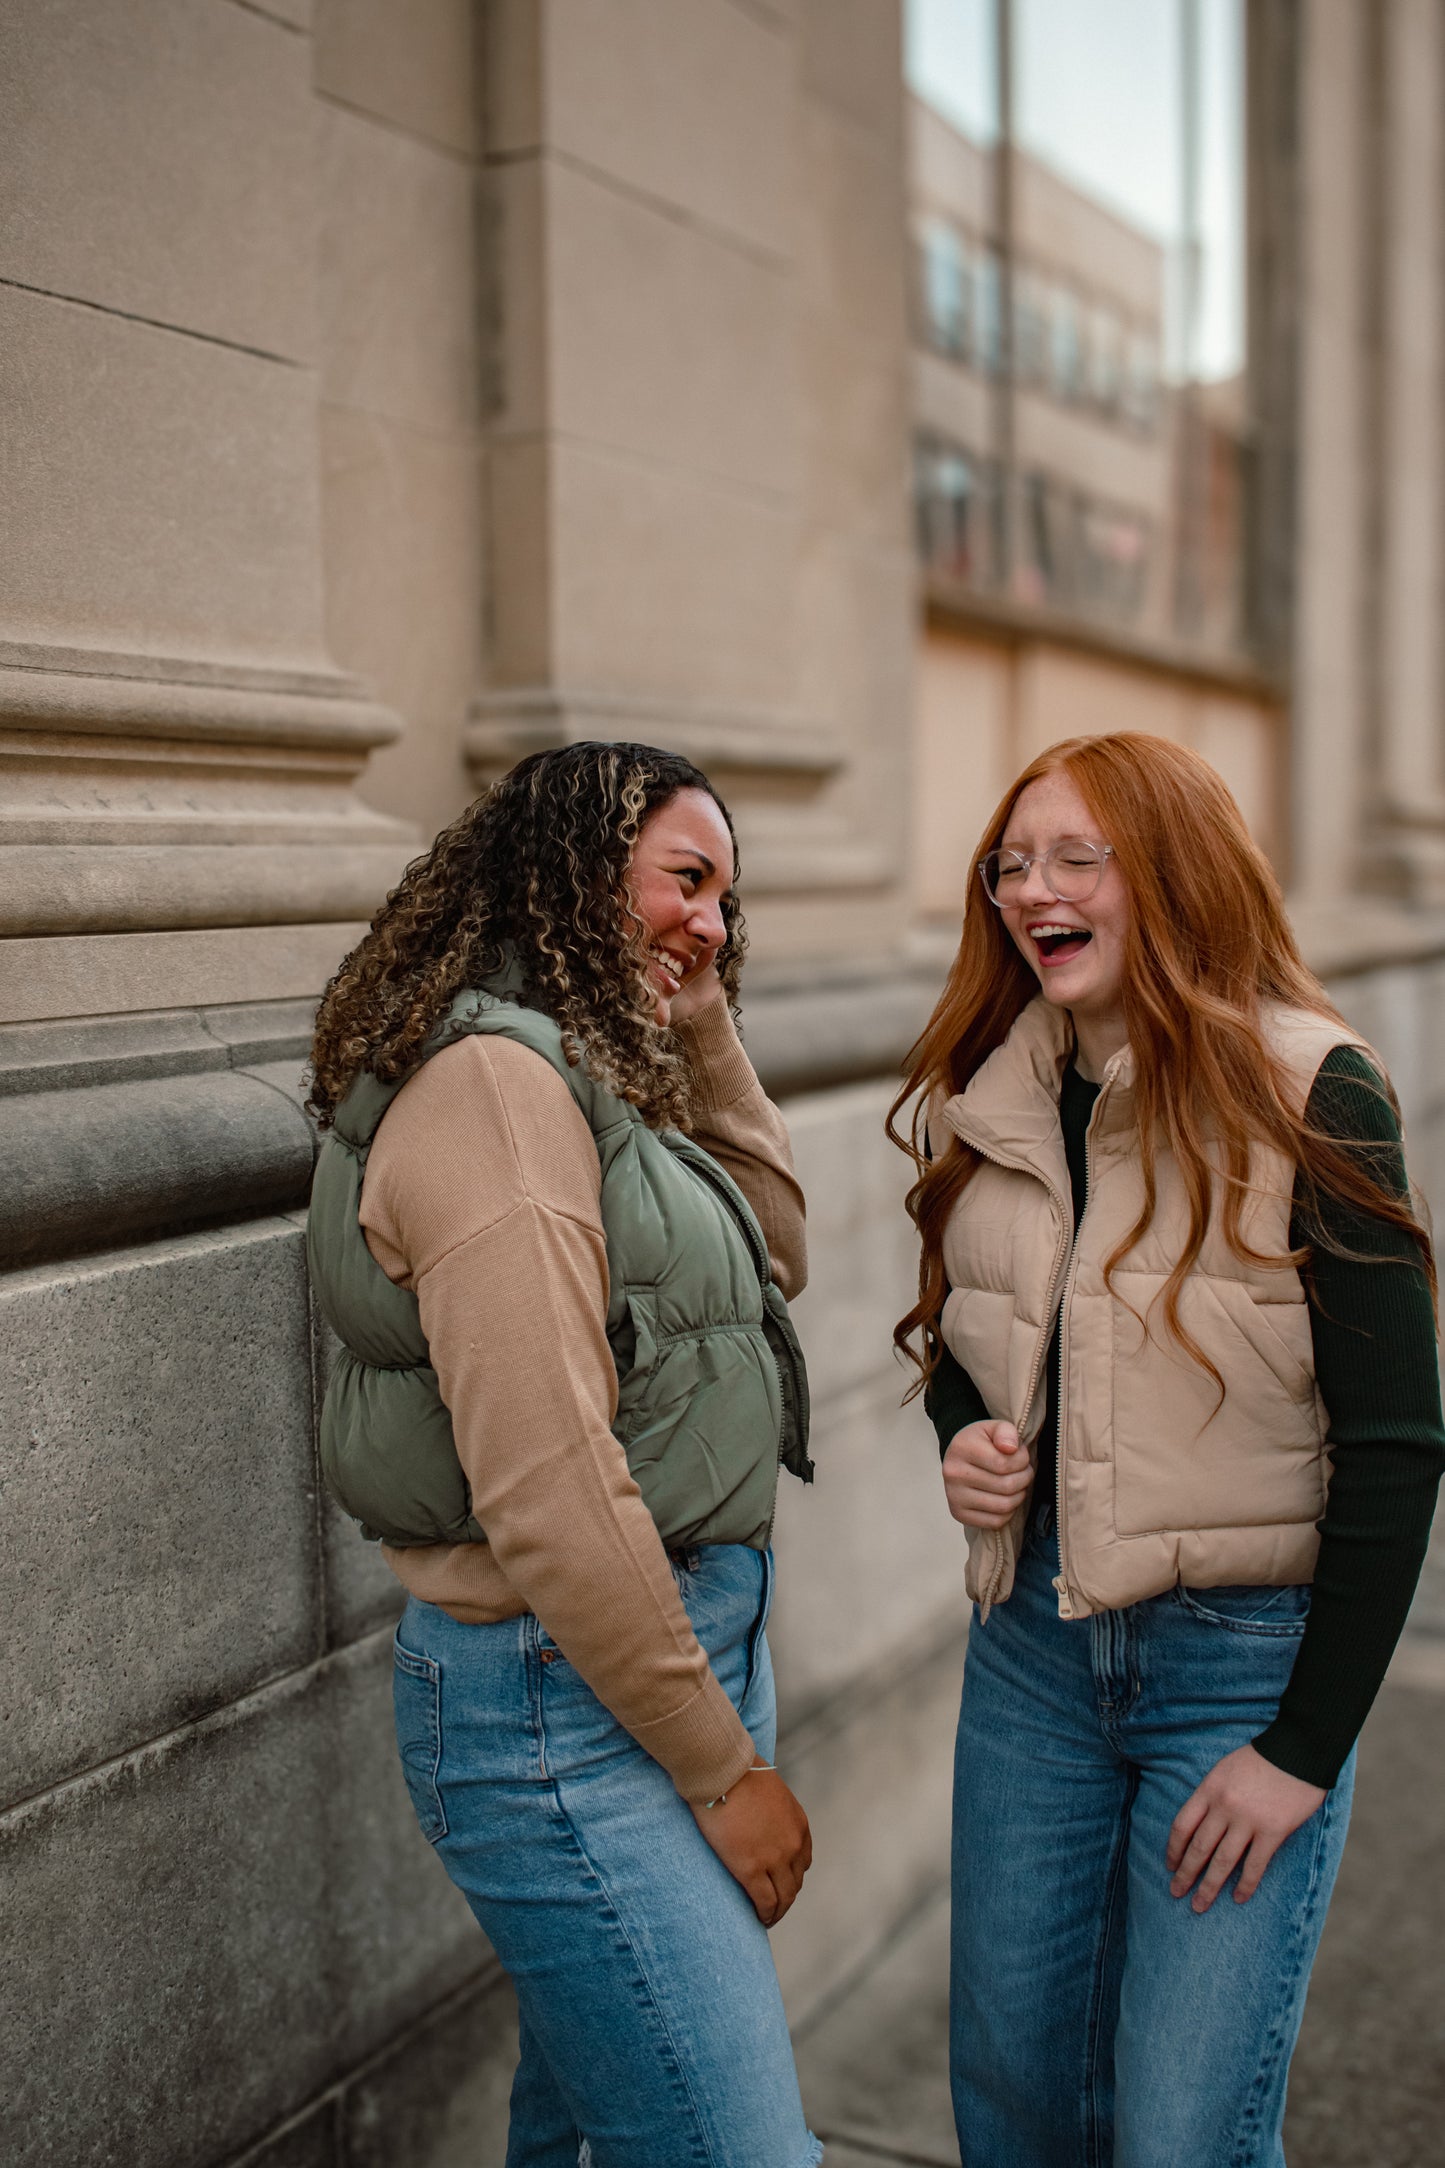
[109, 888]
[508, 724]
[113, 974]
[771, 765]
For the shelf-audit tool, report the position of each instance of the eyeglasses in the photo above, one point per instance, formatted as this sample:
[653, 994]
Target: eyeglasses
[1072, 871]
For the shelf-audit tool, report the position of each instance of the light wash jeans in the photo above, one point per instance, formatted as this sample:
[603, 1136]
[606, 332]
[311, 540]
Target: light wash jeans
[652, 2029]
[1098, 2022]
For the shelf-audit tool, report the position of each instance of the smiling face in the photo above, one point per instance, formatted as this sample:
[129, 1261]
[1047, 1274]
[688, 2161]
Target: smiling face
[682, 867]
[1076, 950]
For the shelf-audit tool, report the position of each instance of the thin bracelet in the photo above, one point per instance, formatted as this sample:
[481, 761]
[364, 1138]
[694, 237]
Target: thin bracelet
[722, 1797]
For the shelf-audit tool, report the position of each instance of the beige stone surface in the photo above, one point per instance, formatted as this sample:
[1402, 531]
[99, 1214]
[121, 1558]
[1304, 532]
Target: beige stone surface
[1117, 465]
[965, 762]
[852, 60]
[876, 1781]
[867, 1555]
[160, 492]
[400, 322]
[857, 655]
[687, 102]
[1063, 695]
[524, 604]
[1245, 741]
[515, 205]
[405, 597]
[665, 583]
[105, 974]
[417, 66]
[72, 888]
[97, 788]
[666, 341]
[954, 402]
[158, 162]
[1413, 355]
[854, 323]
[1329, 625]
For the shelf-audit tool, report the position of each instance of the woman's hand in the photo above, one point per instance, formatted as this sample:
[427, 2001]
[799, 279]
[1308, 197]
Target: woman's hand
[985, 1474]
[761, 1835]
[698, 991]
[1244, 1810]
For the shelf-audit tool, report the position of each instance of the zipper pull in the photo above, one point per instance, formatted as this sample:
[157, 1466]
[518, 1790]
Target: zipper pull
[1061, 1586]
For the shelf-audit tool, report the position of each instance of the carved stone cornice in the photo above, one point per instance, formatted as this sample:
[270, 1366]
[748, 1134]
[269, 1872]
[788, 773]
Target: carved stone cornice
[111, 694]
[508, 724]
[153, 794]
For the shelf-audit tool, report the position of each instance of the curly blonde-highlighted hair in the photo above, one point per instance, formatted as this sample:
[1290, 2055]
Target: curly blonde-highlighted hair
[1208, 944]
[531, 879]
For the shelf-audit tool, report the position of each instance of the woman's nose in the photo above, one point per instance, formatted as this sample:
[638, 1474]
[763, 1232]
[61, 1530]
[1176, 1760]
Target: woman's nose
[1035, 888]
[705, 922]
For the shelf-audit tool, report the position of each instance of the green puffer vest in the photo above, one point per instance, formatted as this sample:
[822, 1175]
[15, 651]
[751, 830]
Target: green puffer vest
[712, 1392]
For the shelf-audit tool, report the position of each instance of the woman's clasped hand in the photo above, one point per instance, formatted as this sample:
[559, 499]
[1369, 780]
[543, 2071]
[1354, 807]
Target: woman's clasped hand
[761, 1835]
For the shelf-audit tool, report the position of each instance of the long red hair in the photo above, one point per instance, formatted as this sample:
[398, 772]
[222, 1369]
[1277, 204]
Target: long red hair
[1208, 942]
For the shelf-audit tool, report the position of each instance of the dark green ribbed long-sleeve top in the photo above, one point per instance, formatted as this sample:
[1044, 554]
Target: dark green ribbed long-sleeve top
[1373, 1329]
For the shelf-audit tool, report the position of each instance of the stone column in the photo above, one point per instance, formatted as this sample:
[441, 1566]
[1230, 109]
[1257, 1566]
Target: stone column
[1409, 677]
[1329, 735]
[178, 753]
[698, 518]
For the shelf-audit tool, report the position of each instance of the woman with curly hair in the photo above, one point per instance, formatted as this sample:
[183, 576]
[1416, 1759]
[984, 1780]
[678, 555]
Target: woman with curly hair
[1177, 1328]
[553, 1224]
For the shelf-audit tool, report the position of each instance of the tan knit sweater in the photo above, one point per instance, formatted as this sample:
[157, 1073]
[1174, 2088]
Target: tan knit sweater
[482, 1195]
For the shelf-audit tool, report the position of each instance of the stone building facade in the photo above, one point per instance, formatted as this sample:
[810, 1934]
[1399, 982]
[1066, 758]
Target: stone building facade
[389, 389]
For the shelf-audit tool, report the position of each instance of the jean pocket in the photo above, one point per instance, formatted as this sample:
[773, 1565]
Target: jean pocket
[416, 1686]
[1250, 1609]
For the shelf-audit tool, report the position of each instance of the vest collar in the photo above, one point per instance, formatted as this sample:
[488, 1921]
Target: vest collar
[1009, 1109]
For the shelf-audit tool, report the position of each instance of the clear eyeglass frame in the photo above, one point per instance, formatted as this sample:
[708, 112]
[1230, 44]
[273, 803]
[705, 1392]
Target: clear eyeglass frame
[1079, 883]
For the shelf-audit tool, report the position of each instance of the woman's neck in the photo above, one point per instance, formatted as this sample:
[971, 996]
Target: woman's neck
[1097, 1039]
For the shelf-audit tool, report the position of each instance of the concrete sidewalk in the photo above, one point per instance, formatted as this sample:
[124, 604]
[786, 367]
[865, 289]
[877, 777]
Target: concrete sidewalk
[1368, 2089]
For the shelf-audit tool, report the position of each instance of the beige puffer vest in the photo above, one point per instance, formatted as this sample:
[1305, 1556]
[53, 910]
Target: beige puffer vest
[1158, 1481]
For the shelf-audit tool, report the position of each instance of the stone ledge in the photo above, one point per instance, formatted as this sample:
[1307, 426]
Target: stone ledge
[110, 888]
[116, 1127]
[80, 1170]
[95, 693]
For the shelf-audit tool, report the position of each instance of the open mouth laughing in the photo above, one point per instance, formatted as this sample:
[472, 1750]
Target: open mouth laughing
[1058, 942]
[670, 970]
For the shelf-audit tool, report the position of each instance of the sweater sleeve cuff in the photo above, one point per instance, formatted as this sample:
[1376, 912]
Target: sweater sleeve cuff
[1296, 1750]
[721, 1071]
[704, 1746]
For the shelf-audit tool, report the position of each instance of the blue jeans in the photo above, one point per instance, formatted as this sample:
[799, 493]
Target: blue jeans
[652, 2028]
[1098, 2022]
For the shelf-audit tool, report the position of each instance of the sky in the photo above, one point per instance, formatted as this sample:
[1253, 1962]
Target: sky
[1097, 94]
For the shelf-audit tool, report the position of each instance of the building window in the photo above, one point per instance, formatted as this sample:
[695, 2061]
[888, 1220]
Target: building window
[947, 283]
[1096, 158]
[956, 502]
[1105, 360]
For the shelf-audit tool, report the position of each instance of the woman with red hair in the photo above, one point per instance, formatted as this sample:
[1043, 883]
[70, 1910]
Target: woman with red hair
[1176, 1328]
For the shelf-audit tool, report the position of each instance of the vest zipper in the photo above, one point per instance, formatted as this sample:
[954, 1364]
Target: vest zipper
[792, 1390]
[1065, 1210]
[1061, 1578]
